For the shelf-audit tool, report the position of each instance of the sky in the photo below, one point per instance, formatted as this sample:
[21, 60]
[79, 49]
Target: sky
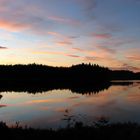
[67, 32]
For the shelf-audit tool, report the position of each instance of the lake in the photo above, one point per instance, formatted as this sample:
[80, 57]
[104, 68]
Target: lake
[119, 102]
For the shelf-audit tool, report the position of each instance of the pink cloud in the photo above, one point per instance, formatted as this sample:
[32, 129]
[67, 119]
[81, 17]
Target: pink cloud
[91, 58]
[71, 55]
[56, 34]
[21, 17]
[78, 49]
[56, 53]
[126, 66]
[64, 20]
[132, 54]
[118, 42]
[62, 39]
[102, 35]
[106, 49]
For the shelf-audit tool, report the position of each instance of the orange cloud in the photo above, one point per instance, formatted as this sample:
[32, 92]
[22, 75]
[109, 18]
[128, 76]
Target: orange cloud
[44, 101]
[55, 34]
[63, 43]
[132, 57]
[133, 54]
[12, 26]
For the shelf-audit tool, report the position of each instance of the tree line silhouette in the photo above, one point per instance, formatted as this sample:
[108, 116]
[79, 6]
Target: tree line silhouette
[34, 72]
[80, 78]
[89, 72]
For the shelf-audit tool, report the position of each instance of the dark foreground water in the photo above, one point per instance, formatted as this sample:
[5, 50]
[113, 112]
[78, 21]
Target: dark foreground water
[58, 108]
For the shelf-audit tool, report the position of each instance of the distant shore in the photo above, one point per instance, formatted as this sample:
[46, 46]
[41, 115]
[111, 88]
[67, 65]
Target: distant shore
[83, 73]
[78, 78]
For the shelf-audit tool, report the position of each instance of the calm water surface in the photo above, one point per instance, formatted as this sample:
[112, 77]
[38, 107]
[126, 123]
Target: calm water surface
[118, 103]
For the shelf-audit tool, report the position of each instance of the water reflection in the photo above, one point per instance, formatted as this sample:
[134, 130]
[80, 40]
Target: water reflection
[81, 89]
[119, 102]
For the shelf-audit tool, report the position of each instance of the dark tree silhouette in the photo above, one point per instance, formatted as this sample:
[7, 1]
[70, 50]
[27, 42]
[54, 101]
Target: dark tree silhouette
[80, 77]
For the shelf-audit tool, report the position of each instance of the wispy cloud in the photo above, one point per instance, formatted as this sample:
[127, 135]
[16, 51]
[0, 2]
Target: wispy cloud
[106, 49]
[88, 30]
[63, 43]
[12, 25]
[132, 57]
[126, 66]
[88, 5]
[56, 34]
[17, 16]
[44, 101]
[48, 52]
[65, 20]
[71, 55]
[62, 39]
[91, 58]
[78, 49]
[56, 53]
[102, 35]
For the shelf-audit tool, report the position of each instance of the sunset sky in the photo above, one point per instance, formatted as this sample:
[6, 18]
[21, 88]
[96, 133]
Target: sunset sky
[66, 32]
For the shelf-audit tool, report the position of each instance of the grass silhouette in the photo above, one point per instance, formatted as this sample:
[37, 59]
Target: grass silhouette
[99, 130]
